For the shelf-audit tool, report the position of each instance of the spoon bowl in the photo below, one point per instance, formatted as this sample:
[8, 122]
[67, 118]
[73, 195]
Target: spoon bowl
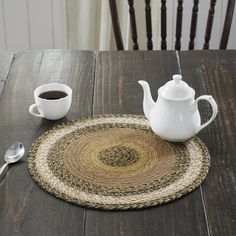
[13, 154]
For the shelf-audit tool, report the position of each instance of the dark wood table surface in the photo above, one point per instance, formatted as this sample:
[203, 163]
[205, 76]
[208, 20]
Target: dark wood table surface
[102, 83]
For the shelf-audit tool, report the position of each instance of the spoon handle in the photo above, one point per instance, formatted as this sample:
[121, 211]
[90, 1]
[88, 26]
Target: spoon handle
[3, 167]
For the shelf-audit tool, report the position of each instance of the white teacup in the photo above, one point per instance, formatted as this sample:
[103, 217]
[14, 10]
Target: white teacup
[52, 101]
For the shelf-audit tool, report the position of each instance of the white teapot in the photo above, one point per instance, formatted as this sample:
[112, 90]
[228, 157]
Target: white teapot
[175, 116]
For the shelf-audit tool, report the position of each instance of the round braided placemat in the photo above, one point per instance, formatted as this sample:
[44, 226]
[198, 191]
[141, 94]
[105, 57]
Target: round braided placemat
[115, 162]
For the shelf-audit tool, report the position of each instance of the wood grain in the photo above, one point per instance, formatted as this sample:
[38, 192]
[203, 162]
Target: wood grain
[5, 64]
[106, 82]
[25, 209]
[117, 91]
[215, 73]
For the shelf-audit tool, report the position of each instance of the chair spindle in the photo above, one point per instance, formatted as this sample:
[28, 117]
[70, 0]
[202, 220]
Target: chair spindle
[179, 18]
[179, 25]
[163, 24]
[193, 24]
[148, 24]
[133, 24]
[227, 24]
[210, 20]
[116, 24]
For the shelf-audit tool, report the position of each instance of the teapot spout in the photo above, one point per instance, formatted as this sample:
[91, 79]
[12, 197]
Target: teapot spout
[148, 103]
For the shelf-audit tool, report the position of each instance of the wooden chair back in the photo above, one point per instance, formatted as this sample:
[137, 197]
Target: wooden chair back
[179, 17]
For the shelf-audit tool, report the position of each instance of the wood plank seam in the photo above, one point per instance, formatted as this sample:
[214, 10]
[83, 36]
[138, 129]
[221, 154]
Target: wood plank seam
[3, 80]
[2, 85]
[94, 79]
[145, 66]
[12, 59]
[41, 62]
[205, 212]
[178, 61]
[203, 203]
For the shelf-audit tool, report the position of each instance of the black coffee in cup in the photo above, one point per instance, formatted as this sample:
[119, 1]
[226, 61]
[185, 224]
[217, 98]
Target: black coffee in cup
[52, 101]
[53, 95]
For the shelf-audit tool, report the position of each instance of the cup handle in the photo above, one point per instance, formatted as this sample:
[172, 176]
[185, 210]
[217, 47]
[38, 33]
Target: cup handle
[214, 106]
[32, 111]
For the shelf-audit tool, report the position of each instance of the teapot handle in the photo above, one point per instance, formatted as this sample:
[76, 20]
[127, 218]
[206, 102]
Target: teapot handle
[214, 106]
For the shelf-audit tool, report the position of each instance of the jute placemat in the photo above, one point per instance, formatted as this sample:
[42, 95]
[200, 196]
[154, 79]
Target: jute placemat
[115, 162]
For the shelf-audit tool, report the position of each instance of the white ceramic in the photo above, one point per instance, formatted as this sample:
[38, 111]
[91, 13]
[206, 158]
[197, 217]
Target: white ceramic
[51, 109]
[175, 116]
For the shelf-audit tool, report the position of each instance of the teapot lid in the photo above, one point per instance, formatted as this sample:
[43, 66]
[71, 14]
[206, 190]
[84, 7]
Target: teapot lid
[176, 89]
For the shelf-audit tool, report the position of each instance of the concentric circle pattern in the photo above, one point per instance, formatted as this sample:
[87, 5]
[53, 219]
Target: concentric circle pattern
[115, 162]
[118, 155]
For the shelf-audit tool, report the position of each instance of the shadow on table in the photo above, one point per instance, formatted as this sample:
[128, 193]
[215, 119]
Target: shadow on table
[6, 171]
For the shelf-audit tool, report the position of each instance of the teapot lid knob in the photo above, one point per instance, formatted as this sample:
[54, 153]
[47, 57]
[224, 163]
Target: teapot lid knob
[177, 78]
[176, 89]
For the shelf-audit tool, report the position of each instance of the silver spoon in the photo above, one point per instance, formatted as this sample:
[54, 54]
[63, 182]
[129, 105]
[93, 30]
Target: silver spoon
[14, 153]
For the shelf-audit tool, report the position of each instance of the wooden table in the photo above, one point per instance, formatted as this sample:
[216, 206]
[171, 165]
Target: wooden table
[106, 82]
